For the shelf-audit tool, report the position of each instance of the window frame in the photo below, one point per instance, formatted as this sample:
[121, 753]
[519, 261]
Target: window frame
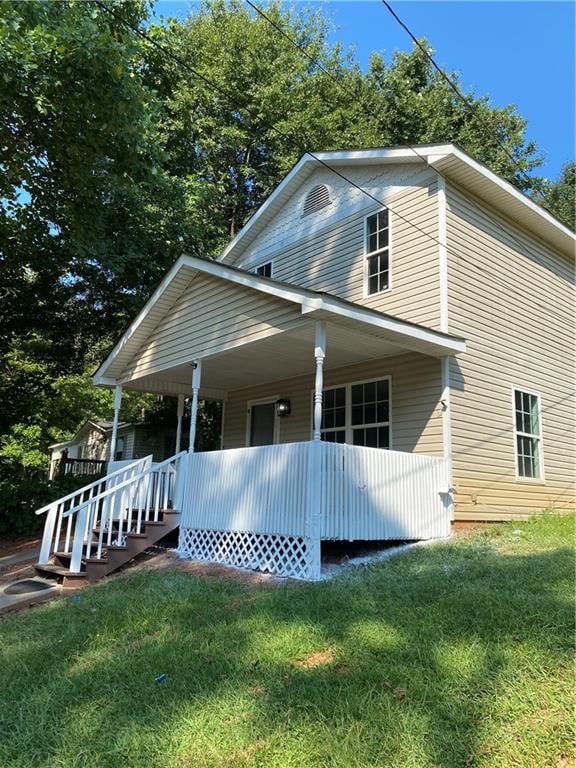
[256, 267]
[366, 255]
[348, 426]
[541, 479]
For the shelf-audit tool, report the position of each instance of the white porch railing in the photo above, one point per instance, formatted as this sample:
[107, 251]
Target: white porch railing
[372, 494]
[82, 524]
[269, 507]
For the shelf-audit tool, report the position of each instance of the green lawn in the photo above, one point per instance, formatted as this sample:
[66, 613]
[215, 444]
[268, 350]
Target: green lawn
[455, 654]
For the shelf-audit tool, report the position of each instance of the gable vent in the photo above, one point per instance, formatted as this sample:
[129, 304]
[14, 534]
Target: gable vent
[318, 197]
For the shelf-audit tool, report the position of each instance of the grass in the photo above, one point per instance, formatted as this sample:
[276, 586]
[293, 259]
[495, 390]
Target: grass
[455, 654]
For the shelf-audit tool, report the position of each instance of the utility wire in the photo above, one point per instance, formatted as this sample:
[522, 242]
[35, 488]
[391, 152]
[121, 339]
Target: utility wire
[473, 108]
[285, 136]
[314, 61]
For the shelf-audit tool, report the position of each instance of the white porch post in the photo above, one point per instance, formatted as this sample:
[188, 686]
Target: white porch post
[447, 431]
[117, 404]
[314, 528]
[196, 378]
[179, 414]
[319, 354]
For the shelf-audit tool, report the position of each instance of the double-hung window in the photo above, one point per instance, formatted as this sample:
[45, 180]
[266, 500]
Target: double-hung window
[333, 428]
[377, 252]
[370, 413]
[528, 434]
[358, 414]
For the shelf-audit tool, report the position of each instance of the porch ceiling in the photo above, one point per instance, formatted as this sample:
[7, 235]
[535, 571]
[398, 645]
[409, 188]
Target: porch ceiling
[283, 356]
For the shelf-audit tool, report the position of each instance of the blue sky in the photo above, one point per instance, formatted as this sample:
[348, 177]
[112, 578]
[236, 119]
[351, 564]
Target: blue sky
[519, 52]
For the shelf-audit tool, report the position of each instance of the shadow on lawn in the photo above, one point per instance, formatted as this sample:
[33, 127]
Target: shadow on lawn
[441, 625]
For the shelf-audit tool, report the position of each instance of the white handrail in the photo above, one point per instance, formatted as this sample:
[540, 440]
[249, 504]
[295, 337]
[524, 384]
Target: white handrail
[124, 483]
[92, 485]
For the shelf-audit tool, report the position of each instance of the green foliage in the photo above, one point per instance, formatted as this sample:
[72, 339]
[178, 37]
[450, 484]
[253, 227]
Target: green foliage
[19, 499]
[415, 105]
[560, 196]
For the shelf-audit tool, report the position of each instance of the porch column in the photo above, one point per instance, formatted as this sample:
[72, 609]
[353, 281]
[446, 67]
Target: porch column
[196, 377]
[179, 414]
[319, 354]
[117, 404]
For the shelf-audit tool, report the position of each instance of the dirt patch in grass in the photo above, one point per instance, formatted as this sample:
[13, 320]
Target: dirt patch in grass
[320, 658]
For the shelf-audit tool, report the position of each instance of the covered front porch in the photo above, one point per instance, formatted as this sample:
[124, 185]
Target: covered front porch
[334, 423]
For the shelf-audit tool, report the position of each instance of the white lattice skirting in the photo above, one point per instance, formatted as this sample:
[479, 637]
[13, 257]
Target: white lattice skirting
[278, 554]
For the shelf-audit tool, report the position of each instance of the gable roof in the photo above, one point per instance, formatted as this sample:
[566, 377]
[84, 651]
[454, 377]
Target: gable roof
[101, 426]
[447, 159]
[311, 303]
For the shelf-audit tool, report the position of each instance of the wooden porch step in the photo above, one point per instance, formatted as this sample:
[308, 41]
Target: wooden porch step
[114, 556]
[59, 570]
[70, 580]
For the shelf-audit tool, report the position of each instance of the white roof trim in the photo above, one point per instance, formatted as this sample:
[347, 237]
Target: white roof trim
[432, 154]
[310, 301]
[505, 186]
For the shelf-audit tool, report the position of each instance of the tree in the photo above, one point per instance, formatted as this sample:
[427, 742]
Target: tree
[559, 197]
[415, 105]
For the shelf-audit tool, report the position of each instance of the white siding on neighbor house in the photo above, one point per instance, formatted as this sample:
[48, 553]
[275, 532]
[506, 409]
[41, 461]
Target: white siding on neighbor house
[210, 317]
[416, 417]
[331, 257]
[513, 302]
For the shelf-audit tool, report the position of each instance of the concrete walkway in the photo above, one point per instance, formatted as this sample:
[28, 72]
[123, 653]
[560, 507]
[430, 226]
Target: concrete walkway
[20, 587]
[30, 554]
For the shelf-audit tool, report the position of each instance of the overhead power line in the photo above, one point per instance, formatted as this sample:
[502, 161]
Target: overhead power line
[473, 108]
[314, 61]
[304, 151]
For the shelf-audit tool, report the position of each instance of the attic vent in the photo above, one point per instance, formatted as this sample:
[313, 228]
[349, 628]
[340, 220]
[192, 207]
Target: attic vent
[318, 197]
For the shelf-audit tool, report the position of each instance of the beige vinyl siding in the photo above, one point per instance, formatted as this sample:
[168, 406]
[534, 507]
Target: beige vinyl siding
[333, 260]
[416, 423]
[514, 306]
[210, 317]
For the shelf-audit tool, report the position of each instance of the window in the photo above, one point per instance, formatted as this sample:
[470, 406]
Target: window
[377, 249]
[264, 270]
[371, 414]
[358, 414]
[528, 434]
[119, 455]
[333, 427]
[316, 199]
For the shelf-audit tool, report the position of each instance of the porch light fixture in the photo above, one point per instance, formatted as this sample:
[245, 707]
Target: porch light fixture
[283, 408]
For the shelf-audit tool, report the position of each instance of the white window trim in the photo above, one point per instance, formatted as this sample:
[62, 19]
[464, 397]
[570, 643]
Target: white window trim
[262, 401]
[348, 427]
[541, 480]
[255, 267]
[366, 255]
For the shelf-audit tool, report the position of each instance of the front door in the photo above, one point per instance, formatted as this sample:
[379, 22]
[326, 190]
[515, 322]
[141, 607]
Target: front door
[262, 423]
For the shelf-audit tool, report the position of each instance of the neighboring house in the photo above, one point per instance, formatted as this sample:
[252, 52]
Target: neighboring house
[88, 452]
[436, 323]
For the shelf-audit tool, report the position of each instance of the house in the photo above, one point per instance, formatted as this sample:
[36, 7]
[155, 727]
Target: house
[391, 334]
[87, 453]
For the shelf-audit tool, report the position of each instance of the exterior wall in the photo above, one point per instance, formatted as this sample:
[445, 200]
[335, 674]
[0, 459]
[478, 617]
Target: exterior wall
[211, 316]
[330, 256]
[514, 306]
[416, 423]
